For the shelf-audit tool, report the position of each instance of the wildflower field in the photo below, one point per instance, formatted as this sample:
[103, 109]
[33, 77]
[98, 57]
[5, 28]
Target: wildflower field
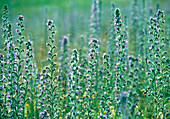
[85, 59]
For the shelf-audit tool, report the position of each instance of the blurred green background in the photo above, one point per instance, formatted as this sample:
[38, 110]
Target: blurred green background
[62, 12]
[70, 16]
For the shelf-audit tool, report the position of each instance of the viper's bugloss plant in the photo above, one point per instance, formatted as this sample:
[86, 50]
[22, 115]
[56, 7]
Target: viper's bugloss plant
[63, 71]
[135, 27]
[64, 66]
[93, 73]
[74, 88]
[82, 49]
[95, 24]
[107, 89]
[141, 32]
[88, 84]
[111, 38]
[1, 84]
[5, 22]
[19, 82]
[14, 83]
[158, 68]
[3, 79]
[133, 82]
[29, 79]
[121, 57]
[48, 100]
[9, 59]
[95, 19]
[83, 83]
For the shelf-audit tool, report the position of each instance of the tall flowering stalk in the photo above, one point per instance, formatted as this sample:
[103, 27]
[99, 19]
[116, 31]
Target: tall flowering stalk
[141, 32]
[82, 49]
[121, 61]
[106, 89]
[63, 76]
[167, 34]
[157, 73]
[133, 82]
[72, 26]
[126, 39]
[13, 85]
[142, 38]
[29, 70]
[5, 23]
[95, 19]
[121, 45]
[95, 24]
[1, 85]
[20, 90]
[92, 75]
[13, 92]
[111, 38]
[64, 64]
[37, 83]
[48, 95]
[8, 63]
[99, 18]
[87, 43]
[83, 84]
[74, 90]
[135, 26]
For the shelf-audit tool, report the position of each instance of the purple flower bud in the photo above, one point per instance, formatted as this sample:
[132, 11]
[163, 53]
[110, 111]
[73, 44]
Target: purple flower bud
[163, 21]
[49, 22]
[122, 58]
[21, 18]
[20, 109]
[152, 45]
[152, 69]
